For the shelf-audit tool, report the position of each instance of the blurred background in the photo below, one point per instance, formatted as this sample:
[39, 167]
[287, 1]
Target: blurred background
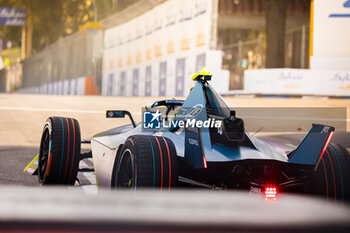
[126, 53]
[77, 58]
[151, 47]
[295, 49]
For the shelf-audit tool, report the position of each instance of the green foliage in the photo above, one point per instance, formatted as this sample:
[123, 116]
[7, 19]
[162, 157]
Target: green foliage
[12, 54]
[53, 19]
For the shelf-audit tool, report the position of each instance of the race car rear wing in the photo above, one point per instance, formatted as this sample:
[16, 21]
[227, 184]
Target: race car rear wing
[313, 146]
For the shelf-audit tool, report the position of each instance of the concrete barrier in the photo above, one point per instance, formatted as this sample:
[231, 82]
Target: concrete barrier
[78, 86]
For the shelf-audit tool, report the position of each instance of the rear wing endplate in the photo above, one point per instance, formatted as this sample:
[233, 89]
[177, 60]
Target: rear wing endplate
[313, 146]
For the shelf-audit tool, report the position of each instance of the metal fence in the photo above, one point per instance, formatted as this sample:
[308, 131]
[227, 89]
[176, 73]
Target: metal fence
[250, 54]
[3, 80]
[71, 57]
[11, 77]
[240, 56]
[297, 47]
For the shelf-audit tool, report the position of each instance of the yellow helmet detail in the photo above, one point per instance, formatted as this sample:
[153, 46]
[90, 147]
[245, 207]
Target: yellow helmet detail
[203, 73]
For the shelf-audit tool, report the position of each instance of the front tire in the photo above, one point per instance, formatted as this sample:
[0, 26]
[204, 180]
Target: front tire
[59, 151]
[146, 161]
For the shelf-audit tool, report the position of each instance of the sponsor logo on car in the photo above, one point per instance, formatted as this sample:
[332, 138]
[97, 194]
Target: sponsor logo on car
[151, 120]
[193, 142]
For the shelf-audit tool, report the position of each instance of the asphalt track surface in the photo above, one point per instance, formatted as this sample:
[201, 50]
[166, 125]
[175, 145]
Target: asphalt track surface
[22, 118]
[82, 209]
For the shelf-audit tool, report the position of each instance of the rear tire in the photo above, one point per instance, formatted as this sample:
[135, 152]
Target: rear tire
[146, 161]
[332, 177]
[59, 151]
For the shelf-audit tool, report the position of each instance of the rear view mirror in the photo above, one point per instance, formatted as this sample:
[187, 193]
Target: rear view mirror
[115, 114]
[120, 114]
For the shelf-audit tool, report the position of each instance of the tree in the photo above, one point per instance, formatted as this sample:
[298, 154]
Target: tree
[106, 8]
[276, 11]
[53, 19]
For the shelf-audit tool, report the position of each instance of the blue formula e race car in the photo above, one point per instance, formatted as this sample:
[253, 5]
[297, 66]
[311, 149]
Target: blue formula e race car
[197, 142]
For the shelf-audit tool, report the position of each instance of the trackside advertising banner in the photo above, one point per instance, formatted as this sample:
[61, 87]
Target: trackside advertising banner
[156, 53]
[331, 31]
[297, 82]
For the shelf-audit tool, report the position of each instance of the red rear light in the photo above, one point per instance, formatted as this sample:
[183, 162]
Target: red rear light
[204, 162]
[327, 143]
[271, 192]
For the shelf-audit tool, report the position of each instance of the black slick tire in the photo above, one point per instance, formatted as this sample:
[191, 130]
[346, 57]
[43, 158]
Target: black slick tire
[332, 177]
[146, 161]
[59, 151]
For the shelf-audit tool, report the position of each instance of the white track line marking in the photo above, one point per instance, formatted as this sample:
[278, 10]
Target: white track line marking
[7, 108]
[103, 112]
[296, 118]
[84, 165]
[89, 176]
[30, 170]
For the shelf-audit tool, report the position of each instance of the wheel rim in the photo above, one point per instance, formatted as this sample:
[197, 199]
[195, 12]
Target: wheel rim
[126, 171]
[44, 154]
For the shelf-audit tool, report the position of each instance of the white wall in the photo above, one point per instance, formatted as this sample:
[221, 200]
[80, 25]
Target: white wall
[331, 35]
[297, 82]
[65, 87]
[173, 38]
